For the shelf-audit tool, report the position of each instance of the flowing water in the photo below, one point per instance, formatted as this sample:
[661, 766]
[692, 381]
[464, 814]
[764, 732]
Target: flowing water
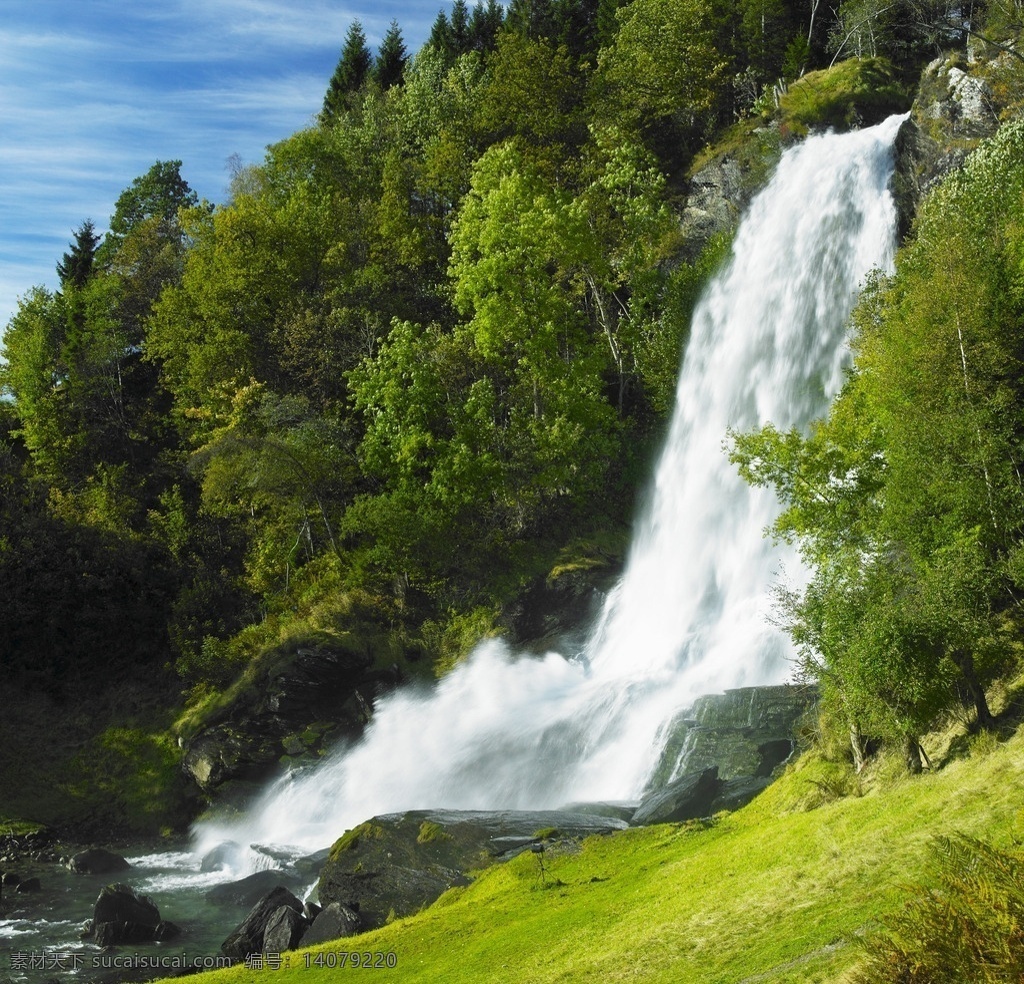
[689, 615]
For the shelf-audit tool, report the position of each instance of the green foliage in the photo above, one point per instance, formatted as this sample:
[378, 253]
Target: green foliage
[968, 927]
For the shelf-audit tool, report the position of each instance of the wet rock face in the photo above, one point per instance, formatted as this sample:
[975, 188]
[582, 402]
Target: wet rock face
[312, 696]
[399, 863]
[723, 751]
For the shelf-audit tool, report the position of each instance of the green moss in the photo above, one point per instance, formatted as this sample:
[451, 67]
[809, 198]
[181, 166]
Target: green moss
[854, 92]
[431, 832]
[350, 839]
[547, 833]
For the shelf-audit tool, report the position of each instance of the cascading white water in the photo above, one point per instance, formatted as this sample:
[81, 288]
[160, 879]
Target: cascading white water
[689, 615]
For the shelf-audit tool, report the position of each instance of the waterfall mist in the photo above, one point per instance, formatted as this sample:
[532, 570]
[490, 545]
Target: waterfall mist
[689, 616]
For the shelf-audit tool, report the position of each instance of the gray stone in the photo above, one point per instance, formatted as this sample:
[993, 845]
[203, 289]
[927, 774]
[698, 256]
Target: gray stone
[744, 732]
[688, 798]
[97, 861]
[247, 937]
[284, 930]
[404, 861]
[334, 922]
[248, 890]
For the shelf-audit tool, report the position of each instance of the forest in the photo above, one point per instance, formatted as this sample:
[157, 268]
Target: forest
[426, 350]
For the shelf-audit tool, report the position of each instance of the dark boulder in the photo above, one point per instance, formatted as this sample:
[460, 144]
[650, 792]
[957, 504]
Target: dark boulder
[248, 890]
[97, 861]
[687, 798]
[248, 936]
[334, 922]
[121, 915]
[30, 885]
[284, 930]
[305, 698]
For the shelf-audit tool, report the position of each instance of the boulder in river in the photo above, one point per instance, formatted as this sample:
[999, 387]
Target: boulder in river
[248, 890]
[248, 937]
[121, 915]
[97, 861]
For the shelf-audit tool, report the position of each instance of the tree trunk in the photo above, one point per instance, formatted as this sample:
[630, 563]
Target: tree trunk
[965, 664]
[857, 744]
[912, 754]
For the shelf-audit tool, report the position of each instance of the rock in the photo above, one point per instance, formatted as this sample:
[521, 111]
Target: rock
[400, 862]
[248, 890]
[248, 936]
[10, 879]
[619, 810]
[30, 885]
[121, 915]
[334, 922]
[311, 910]
[744, 732]
[738, 792]
[718, 194]
[308, 696]
[687, 798]
[284, 930]
[553, 609]
[166, 931]
[222, 856]
[97, 861]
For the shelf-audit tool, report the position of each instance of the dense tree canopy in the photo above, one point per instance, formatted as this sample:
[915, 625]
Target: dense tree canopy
[428, 341]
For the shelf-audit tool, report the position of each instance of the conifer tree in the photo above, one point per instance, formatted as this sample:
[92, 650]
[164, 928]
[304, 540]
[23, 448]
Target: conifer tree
[484, 23]
[460, 27]
[76, 266]
[352, 71]
[391, 59]
[440, 38]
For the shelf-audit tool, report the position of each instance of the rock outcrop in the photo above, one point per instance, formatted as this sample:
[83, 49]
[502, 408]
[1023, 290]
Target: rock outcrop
[306, 698]
[721, 752]
[399, 863]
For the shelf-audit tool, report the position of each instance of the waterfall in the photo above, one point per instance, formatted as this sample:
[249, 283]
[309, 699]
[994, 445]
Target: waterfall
[689, 616]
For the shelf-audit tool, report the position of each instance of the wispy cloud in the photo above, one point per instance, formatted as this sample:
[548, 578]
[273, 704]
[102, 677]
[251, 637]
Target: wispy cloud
[92, 93]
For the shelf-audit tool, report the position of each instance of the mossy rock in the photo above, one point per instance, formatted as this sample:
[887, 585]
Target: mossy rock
[394, 865]
[856, 92]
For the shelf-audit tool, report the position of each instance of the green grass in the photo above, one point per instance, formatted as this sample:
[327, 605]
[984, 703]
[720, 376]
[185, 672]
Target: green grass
[779, 891]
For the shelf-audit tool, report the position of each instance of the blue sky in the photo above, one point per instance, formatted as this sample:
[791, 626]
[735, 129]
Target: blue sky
[93, 92]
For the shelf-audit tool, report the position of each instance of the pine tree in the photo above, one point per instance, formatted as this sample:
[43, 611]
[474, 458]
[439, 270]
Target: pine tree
[440, 38]
[352, 71]
[77, 265]
[460, 27]
[484, 23]
[391, 59]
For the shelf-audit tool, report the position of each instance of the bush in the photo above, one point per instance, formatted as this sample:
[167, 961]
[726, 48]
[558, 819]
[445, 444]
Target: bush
[970, 927]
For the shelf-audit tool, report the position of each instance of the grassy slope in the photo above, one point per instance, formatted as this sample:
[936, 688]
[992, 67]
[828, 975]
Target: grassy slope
[775, 892]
